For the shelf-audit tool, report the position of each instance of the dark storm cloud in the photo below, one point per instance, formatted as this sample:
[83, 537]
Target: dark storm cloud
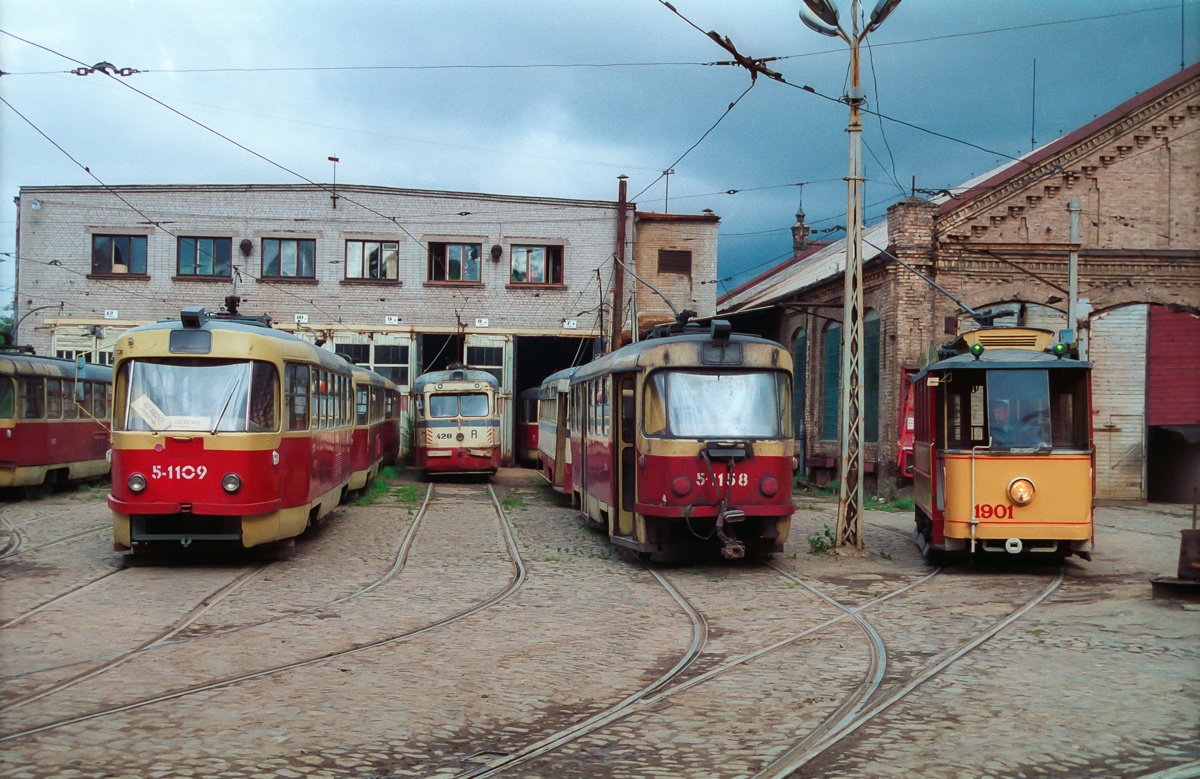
[564, 131]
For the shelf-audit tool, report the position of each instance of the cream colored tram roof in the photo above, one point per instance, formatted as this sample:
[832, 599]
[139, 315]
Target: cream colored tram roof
[290, 347]
[634, 356]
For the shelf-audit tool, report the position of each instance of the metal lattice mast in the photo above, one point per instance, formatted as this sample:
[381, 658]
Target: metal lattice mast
[850, 498]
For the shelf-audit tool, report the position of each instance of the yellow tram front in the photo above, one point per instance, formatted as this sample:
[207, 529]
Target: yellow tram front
[1003, 454]
[457, 422]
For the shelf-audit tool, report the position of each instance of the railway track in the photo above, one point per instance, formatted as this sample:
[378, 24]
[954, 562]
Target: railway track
[517, 578]
[860, 706]
[398, 560]
[662, 689]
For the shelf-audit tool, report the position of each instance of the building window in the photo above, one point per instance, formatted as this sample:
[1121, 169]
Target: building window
[372, 260]
[675, 261]
[831, 373]
[392, 362]
[871, 376]
[537, 265]
[359, 354]
[119, 254]
[95, 356]
[454, 261]
[487, 358]
[289, 258]
[204, 256]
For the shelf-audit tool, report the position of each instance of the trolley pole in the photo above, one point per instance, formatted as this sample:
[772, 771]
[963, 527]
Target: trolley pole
[822, 16]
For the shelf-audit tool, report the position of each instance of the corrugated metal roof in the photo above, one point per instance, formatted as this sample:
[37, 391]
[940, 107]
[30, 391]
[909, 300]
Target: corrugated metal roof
[820, 266]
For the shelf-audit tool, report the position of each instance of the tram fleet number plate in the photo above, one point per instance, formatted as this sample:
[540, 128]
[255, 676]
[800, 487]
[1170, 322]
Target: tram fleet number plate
[998, 511]
[178, 472]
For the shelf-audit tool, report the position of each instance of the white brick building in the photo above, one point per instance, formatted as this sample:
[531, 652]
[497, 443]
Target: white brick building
[403, 280]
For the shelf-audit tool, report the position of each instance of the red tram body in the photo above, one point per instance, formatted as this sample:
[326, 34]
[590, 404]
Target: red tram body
[527, 425]
[682, 443]
[226, 430]
[375, 429]
[53, 419]
[554, 429]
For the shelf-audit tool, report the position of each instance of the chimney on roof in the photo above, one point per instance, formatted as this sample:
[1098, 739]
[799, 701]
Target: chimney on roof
[799, 233]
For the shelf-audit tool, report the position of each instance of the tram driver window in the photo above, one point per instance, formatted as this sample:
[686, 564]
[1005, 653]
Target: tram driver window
[966, 423]
[296, 377]
[1018, 409]
[8, 399]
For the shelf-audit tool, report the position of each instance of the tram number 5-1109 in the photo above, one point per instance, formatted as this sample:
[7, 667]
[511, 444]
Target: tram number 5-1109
[998, 511]
[178, 472]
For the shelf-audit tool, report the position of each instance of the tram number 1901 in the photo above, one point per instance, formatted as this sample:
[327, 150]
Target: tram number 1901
[998, 511]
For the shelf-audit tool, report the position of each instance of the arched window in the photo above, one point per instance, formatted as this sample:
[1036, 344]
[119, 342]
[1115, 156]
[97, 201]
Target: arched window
[870, 357]
[799, 376]
[831, 350]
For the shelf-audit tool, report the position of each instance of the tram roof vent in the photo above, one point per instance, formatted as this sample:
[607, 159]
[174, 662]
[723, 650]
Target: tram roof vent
[458, 376]
[1031, 338]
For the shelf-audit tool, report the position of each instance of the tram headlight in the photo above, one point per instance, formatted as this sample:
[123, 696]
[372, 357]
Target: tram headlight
[231, 483]
[769, 486]
[1020, 491]
[681, 485]
[136, 482]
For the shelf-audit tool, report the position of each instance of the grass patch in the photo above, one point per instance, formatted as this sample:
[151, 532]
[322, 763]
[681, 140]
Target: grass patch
[897, 505]
[408, 493]
[374, 491]
[821, 542]
[508, 504]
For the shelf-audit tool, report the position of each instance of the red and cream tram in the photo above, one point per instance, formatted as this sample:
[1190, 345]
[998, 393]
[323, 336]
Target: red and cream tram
[554, 430]
[527, 425]
[1003, 457]
[457, 421]
[225, 430]
[53, 419]
[683, 443]
[374, 430]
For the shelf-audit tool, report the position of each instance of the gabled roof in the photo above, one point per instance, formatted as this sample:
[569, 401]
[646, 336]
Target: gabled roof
[989, 181]
[827, 261]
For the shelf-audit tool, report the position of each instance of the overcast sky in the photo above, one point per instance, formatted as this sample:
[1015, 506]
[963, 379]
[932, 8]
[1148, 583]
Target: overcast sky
[559, 97]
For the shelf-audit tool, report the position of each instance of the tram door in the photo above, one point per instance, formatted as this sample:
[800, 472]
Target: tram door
[624, 434]
[562, 449]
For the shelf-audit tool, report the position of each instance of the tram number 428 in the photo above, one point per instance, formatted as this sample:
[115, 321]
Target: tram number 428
[998, 511]
[178, 472]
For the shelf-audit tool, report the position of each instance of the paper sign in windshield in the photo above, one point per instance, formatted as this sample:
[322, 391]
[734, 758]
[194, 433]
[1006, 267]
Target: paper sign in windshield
[153, 415]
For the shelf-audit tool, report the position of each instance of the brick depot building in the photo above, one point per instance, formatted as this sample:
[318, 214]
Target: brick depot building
[403, 281]
[1001, 242]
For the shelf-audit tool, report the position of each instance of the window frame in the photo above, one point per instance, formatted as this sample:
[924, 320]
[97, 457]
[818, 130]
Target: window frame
[384, 247]
[444, 246]
[279, 258]
[131, 241]
[195, 240]
[553, 268]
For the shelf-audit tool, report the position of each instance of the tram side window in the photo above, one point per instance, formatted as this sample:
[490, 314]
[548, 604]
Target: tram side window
[966, 423]
[296, 377]
[1068, 409]
[264, 380]
[53, 399]
[70, 410]
[33, 398]
[654, 415]
[8, 398]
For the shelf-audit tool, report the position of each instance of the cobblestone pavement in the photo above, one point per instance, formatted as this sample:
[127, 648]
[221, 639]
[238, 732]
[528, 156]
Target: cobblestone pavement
[1098, 680]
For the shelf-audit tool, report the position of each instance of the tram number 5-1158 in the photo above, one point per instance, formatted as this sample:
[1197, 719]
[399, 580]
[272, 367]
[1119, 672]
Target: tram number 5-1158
[735, 479]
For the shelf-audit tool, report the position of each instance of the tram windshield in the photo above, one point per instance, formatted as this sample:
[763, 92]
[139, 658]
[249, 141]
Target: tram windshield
[1016, 409]
[206, 396]
[8, 398]
[466, 405]
[714, 405]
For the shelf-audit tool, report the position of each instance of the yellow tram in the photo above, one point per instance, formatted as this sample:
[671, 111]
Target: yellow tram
[1003, 456]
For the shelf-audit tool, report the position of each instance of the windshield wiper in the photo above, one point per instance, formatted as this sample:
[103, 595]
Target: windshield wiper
[228, 399]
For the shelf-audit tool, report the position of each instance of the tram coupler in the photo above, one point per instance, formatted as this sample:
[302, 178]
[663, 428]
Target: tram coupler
[731, 547]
